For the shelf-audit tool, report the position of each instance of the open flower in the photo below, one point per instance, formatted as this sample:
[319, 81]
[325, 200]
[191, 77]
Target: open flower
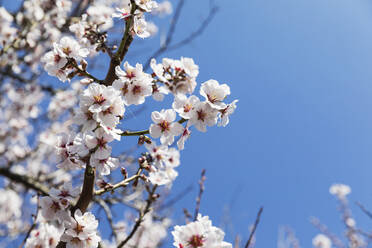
[164, 126]
[199, 234]
[215, 93]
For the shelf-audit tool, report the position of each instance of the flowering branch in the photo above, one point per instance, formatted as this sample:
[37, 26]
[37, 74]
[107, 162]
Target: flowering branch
[123, 48]
[123, 183]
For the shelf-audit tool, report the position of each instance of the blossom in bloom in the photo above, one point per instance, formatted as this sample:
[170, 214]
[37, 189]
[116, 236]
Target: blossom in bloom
[53, 209]
[340, 190]
[81, 231]
[140, 27]
[99, 142]
[184, 106]
[164, 126]
[133, 83]
[146, 5]
[179, 76]
[226, 112]
[199, 234]
[203, 115]
[322, 241]
[45, 236]
[164, 161]
[122, 13]
[66, 193]
[184, 136]
[110, 117]
[71, 48]
[215, 93]
[97, 97]
[66, 152]
[104, 166]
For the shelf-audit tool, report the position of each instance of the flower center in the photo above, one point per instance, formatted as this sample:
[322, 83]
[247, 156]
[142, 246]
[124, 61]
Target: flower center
[64, 193]
[66, 50]
[79, 228]
[196, 241]
[99, 99]
[130, 74]
[201, 115]
[136, 89]
[164, 125]
[212, 98]
[187, 108]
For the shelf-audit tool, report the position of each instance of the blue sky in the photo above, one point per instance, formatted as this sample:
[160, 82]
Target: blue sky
[301, 70]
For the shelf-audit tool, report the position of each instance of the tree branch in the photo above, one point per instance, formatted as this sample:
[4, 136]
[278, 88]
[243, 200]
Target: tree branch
[123, 48]
[254, 228]
[142, 214]
[27, 181]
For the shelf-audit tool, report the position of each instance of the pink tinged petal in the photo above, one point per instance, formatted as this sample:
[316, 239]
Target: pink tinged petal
[170, 115]
[176, 128]
[155, 131]
[156, 117]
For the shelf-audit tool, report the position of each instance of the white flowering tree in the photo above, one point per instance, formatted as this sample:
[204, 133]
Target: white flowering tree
[56, 139]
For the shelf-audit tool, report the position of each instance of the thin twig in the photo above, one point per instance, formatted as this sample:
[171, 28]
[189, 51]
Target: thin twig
[142, 214]
[122, 183]
[143, 132]
[167, 46]
[108, 213]
[369, 214]
[33, 224]
[201, 190]
[170, 33]
[254, 227]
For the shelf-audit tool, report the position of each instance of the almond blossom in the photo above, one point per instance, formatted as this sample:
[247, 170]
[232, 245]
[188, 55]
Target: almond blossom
[199, 234]
[215, 93]
[164, 126]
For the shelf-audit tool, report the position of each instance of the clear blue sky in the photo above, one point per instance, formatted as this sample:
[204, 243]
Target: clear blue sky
[302, 71]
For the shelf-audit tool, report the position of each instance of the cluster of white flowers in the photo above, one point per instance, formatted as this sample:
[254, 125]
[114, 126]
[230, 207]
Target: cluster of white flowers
[56, 61]
[77, 231]
[46, 235]
[199, 234]
[86, 131]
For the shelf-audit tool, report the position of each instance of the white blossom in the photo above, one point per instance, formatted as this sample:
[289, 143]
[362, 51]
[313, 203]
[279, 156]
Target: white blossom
[164, 126]
[215, 93]
[199, 234]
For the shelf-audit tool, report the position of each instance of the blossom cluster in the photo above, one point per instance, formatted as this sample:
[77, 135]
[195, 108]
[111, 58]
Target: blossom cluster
[83, 118]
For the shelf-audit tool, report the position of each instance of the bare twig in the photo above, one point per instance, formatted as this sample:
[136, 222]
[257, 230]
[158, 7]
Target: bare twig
[142, 214]
[369, 214]
[167, 46]
[254, 227]
[123, 183]
[170, 33]
[33, 224]
[324, 229]
[108, 213]
[201, 190]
